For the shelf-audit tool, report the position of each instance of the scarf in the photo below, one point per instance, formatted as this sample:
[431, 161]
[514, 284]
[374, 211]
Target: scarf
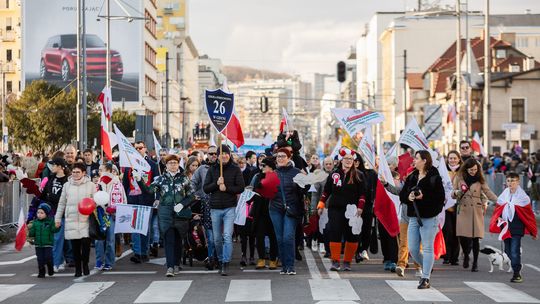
[469, 180]
[454, 168]
[510, 200]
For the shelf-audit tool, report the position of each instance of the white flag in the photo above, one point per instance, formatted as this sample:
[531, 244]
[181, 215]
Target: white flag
[367, 147]
[288, 122]
[336, 148]
[241, 207]
[157, 146]
[448, 188]
[129, 157]
[132, 218]
[354, 120]
[413, 137]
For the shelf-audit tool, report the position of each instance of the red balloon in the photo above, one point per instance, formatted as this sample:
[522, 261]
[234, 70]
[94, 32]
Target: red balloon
[87, 206]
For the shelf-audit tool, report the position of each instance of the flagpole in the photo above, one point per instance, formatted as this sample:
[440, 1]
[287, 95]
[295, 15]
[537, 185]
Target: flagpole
[220, 153]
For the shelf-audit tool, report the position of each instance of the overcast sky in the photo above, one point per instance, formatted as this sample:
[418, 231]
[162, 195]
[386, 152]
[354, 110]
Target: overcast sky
[297, 36]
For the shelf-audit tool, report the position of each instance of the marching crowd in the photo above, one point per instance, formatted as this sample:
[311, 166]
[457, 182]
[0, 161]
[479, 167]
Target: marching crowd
[195, 206]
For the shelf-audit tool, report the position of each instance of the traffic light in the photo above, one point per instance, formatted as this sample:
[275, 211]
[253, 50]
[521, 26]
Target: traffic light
[341, 71]
[264, 104]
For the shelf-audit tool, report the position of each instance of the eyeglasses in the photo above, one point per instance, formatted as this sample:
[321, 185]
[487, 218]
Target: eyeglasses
[348, 158]
[212, 154]
[281, 156]
[172, 162]
[512, 180]
[139, 148]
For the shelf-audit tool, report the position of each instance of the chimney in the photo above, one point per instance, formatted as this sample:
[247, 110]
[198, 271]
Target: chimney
[508, 37]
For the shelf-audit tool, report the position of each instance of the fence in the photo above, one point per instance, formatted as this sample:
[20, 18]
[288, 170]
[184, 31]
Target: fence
[13, 197]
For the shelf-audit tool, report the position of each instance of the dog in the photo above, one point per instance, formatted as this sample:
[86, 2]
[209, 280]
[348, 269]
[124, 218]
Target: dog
[496, 258]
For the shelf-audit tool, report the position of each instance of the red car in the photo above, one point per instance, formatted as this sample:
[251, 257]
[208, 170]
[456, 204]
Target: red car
[59, 56]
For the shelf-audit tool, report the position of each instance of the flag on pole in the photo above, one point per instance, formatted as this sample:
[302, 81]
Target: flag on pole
[157, 146]
[354, 120]
[105, 98]
[413, 137]
[105, 137]
[451, 114]
[386, 206]
[367, 147]
[129, 157]
[336, 148]
[286, 122]
[20, 238]
[132, 218]
[477, 146]
[233, 131]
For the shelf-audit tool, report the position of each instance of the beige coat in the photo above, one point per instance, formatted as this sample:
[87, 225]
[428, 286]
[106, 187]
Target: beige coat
[76, 224]
[470, 208]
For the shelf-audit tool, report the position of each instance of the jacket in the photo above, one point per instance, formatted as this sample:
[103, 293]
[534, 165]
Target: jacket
[145, 199]
[43, 232]
[470, 208]
[197, 182]
[111, 184]
[316, 196]
[292, 192]
[234, 182]
[340, 192]
[371, 178]
[52, 191]
[76, 225]
[433, 194]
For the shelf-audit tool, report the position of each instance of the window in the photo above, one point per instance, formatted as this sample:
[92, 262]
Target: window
[500, 54]
[8, 24]
[9, 55]
[9, 86]
[149, 86]
[518, 110]
[522, 42]
[150, 54]
[150, 23]
[7, 3]
[514, 68]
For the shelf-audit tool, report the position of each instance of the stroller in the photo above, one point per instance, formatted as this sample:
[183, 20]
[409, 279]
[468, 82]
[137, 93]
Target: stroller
[195, 243]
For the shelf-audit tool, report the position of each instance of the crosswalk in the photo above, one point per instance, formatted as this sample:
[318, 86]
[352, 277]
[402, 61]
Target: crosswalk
[267, 290]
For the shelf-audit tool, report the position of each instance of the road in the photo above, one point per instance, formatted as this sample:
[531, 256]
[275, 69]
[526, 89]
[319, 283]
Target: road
[314, 283]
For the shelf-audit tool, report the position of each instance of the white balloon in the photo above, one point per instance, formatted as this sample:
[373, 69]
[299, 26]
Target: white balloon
[101, 198]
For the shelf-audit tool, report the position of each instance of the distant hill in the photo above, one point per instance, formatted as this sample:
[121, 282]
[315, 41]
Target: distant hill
[238, 74]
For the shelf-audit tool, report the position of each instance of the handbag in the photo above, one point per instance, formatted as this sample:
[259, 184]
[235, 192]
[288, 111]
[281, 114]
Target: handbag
[94, 230]
[288, 210]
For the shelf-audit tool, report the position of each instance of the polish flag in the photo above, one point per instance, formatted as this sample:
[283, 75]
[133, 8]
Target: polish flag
[105, 98]
[20, 239]
[451, 114]
[105, 137]
[233, 131]
[387, 205]
[476, 145]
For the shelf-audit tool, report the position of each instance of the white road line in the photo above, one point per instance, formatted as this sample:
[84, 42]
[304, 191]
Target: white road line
[198, 271]
[6, 275]
[409, 291]
[164, 292]
[502, 293]
[17, 262]
[96, 271]
[249, 291]
[312, 264]
[81, 293]
[261, 270]
[332, 290]
[533, 267]
[128, 272]
[327, 264]
[124, 254]
[57, 275]
[10, 290]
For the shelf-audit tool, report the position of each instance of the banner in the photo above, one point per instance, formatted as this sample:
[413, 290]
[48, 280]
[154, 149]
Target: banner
[129, 157]
[241, 207]
[157, 146]
[220, 107]
[354, 120]
[105, 98]
[413, 137]
[132, 218]
[367, 148]
[387, 206]
[287, 124]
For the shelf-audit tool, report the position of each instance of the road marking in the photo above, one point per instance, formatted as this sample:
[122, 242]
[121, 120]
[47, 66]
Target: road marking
[164, 292]
[128, 272]
[10, 290]
[409, 291]
[17, 262]
[124, 254]
[249, 291]
[158, 261]
[96, 271]
[57, 274]
[533, 267]
[312, 265]
[327, 264]
[332, 290]
[502, 293]
[198, 271]
[261, 270]
[6, 275]
[81, 293]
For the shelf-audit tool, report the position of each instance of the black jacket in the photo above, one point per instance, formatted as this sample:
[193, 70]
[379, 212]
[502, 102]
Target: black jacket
[52, 191]
[432, 188]
[234, 182]
[341, 193]
[292, 192]
[371, 188]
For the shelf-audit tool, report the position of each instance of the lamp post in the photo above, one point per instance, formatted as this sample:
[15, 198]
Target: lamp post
[4, 126]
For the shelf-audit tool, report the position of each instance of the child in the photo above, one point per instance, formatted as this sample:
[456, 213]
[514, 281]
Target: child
[43, 229]
[513, 216]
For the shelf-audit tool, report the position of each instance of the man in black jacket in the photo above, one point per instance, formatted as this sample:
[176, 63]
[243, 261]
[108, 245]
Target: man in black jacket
[223, 191]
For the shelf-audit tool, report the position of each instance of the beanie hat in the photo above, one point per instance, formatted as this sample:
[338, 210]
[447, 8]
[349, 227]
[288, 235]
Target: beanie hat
[45, 207]
[284, 150]
[270, 162]
[224, 149]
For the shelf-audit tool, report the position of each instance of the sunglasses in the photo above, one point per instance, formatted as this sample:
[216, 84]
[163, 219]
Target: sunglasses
[139, 148]
[212, 154]
[465, 148]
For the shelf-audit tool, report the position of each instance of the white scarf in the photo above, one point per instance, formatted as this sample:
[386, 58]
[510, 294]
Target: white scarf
[519, 198]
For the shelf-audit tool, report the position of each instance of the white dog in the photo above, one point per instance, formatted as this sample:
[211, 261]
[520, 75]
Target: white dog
[496, 258]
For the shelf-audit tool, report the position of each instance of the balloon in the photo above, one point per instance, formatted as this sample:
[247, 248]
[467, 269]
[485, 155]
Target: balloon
[87, 206]
[101, 198]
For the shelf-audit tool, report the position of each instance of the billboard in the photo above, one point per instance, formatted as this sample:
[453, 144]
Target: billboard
[49, 49]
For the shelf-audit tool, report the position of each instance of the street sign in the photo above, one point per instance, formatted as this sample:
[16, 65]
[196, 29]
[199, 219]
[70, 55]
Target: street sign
[432, 114]
[220, 107]
[433, 131]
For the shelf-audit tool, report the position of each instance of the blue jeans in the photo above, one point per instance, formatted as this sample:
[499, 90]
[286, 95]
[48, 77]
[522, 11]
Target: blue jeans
[222, 226]
[285, 228]
[155, 229]
[140, 242]
[58, 246]
[424, 235]
[512, 248]
[106, 247]
[210, 242]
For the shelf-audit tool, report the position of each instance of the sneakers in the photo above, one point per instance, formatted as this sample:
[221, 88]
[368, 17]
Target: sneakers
[335, 266]
[177, 269]
[418, 272]
[251, 261]
[393, 267]
[243, 261]
[260, 264]
[107, 267]
[322, 250]
[387, 265]
[99, 266]
[170, 272]
[364, 255]
[346, 266]
[291, 272]
[273, 264]
[314, 246]
[283, 271]
[517, 278]
[400, 271]
[424, 284]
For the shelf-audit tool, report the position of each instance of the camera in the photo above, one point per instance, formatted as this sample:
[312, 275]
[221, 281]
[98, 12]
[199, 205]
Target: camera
[416, 190]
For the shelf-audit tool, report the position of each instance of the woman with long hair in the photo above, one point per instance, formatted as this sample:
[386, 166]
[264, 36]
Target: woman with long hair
[192, 165]
[470, 187]
[453, 164]
[344, 187]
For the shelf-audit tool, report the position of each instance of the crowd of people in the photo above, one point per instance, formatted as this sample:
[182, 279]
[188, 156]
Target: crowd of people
[195, 203]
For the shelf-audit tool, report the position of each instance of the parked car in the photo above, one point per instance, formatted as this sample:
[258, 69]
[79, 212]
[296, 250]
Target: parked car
[59, 57]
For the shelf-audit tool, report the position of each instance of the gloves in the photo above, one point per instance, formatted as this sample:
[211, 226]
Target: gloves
[178, 207]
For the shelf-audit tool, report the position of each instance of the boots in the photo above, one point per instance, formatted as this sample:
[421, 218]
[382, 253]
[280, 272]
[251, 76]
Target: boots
[50, 269]
[260, 264]
[466, 261]
[85, 269]
[225, 269]
[118, 249]
[41, 273]
[273, 264]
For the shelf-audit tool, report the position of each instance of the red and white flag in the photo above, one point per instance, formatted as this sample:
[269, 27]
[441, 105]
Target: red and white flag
[20, 239]
[233, 131]
[476, 145]
[286, 122]
[105, 98]
[451, 114]
[387, 205]
[106, 138]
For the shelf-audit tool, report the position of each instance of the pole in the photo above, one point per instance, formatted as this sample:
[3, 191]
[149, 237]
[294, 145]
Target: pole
[183, 123]
[4, 127]
[458, 70]
[79, 101]
[108, 35]
[84, 78]
[487, 80]
[404, 88]
[468, 64]
[167, 130]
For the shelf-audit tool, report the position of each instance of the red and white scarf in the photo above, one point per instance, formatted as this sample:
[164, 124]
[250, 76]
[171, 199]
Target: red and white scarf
[518, 198]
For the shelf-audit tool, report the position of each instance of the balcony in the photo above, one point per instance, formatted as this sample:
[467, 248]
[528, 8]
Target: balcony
[8, 35]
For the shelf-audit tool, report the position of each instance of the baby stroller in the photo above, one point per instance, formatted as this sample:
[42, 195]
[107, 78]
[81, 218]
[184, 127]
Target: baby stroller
[195, 243]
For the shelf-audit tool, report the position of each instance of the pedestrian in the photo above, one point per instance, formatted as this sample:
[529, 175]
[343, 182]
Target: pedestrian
[470, 187]
[318, 237]
[92, 168]
[453, 164]
[78, 187]
[286, 210]
[42, 229]
[423, 193]
[367, 236]
[223, 190]
[513, 218]
[344, 187]
[191, 166]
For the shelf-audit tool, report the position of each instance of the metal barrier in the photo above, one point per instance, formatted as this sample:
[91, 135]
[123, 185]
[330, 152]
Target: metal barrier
[13, 197]
[497, 182]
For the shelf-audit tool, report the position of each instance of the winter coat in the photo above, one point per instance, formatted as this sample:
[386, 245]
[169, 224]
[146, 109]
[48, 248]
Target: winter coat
[432, 189]
[292, 192]
[340, 192]
[43, 232]
[470, 209]
[53, 191]
[76, 225]
[371, 178]
[197, 182]
[111, 184]
[234, 182]
[259, 208]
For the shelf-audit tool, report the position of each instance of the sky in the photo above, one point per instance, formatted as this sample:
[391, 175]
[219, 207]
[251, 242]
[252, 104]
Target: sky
[298, 36]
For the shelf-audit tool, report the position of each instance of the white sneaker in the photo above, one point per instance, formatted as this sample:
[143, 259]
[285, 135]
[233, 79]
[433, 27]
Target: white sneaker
[314, 246]
[321, 249]
[400, 271]
[170, 272]
[177, 269]
[364, 255]
[55, 269]
[419, 272]
[62, 267]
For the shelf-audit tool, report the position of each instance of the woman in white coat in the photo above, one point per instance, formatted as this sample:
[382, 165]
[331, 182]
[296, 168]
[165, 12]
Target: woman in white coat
[78, 186]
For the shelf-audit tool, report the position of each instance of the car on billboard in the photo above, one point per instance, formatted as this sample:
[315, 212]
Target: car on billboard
[59, 57]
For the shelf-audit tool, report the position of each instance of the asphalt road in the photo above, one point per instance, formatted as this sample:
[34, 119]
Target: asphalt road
[314, 283]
